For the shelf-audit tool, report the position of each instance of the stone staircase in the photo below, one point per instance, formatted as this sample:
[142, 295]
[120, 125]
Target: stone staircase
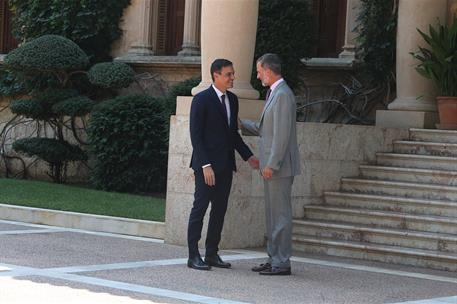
[402, 210]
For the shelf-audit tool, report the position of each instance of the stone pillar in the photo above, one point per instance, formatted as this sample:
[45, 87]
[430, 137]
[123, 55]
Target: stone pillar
[191, 39]
[148, 10]
[352, 11]
[228, 30]
[415, 105]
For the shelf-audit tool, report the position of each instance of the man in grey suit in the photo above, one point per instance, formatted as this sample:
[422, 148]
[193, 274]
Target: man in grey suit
[279, 163]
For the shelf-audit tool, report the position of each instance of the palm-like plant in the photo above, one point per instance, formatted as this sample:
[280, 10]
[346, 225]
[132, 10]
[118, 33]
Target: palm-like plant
[438, 62]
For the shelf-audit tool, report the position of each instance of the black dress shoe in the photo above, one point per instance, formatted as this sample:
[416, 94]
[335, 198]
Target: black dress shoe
[261, 267]
[197, 263]
[276, 271]
[216, 261]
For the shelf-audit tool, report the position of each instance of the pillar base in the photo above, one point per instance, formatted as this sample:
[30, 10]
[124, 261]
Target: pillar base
[424, 103]
[189, 52]
[141, 51]
[406, 119]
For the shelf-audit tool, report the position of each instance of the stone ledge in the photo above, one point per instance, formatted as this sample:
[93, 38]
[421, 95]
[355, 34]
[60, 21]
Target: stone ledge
[83, 221]
[330, 63]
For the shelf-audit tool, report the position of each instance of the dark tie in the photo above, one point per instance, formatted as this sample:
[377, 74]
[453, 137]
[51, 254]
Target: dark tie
[268, 94]
[224, 109]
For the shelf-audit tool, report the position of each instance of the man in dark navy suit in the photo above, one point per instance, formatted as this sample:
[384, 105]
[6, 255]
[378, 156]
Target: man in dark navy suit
[214, 135]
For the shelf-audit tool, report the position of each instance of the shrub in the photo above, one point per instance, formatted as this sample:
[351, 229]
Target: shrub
[49, 52]
[49, 149]
[180, 89]
[127, 138]
[75, 107]
[56, 60]
[111, 75]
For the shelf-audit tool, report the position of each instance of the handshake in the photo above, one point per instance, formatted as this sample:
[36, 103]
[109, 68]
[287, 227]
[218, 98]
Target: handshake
[254, 163]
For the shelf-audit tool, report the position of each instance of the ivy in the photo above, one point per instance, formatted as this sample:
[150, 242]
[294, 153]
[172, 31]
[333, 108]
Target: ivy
[285, 28]
[377, 34]
[92, 24]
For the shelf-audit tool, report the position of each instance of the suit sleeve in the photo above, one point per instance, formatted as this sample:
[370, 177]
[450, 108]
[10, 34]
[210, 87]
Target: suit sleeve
[239, 144]
[282, 124]
[250, 128]
[197, 125]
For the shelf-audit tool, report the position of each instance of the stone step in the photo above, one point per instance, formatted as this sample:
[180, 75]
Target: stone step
[430, 135]
[386, 219]
[425, 148]
[402, 189]
[374, 252]
[383, 236]
[417, 161]
[426, 176]
[391, 203]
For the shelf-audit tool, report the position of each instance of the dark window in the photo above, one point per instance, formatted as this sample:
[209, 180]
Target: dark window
[7, 42]
[175, 26]
[330, 27]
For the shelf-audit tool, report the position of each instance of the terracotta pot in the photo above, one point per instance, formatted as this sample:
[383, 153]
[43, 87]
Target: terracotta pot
[447, 110]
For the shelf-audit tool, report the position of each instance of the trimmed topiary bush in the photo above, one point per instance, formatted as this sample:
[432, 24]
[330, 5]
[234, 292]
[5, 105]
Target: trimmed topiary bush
[49, 52]
[75, 107]
[111, 75]
[57, 60]
[55, 152]
[49, 149]
[127, 138]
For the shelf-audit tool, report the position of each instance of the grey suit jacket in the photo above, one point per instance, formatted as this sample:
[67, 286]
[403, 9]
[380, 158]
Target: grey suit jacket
[277, 129]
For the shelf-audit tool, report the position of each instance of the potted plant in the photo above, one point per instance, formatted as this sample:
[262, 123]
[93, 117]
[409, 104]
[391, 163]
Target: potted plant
[438, 62]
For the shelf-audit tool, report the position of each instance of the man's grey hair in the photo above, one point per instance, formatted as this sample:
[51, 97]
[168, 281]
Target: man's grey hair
[270, 61]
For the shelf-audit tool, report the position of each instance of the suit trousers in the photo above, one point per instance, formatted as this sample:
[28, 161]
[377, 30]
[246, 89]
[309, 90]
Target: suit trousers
[218, 196]
[278, 209]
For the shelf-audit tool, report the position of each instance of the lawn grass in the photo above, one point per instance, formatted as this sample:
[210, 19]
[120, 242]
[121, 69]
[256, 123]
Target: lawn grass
[78, 199]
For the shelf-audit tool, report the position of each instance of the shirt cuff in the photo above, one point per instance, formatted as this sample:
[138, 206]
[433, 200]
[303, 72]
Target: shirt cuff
[207, 165]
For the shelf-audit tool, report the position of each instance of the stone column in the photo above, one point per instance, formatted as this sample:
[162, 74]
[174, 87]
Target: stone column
[415, 105]
[148, 10]
[191, 39]
[228, 30]
[352, 11]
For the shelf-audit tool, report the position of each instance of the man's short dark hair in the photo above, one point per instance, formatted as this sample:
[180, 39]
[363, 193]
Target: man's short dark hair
[218, 64]
[270, 61]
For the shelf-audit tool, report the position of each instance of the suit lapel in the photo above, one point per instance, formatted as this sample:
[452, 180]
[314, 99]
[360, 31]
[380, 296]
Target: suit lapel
[270, 100]
[217, 103]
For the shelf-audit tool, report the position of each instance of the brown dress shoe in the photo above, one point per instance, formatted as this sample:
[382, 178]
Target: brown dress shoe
[276, 271]
[261, 267]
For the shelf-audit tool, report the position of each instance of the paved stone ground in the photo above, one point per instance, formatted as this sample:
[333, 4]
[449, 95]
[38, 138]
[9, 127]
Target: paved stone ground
[42, 264]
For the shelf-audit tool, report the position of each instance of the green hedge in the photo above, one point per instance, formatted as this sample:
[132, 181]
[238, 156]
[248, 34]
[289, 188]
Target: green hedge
[128, 144]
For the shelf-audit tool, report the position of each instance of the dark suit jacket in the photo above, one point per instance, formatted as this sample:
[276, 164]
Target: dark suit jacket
[213, 141]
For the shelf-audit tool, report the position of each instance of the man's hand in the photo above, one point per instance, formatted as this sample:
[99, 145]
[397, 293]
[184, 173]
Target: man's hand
[253, 162]
[267, 173]
[210, 178]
